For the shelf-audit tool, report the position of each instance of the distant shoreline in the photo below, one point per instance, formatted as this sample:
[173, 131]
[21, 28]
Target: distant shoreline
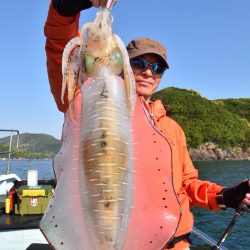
[211, 152]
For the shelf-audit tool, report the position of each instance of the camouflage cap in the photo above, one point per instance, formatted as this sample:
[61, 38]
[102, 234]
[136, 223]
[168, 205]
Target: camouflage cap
[141, 46]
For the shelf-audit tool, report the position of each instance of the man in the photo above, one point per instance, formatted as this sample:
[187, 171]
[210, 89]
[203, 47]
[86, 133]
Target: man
[148, 61]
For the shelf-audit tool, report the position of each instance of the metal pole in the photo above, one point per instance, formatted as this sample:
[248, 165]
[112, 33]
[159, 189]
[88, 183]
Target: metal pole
[229, 228]
[10, 145]
[206, 238]
[8, 163]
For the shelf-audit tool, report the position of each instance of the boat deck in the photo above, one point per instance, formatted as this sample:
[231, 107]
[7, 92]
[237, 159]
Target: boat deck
[17, 222]
[20, 232]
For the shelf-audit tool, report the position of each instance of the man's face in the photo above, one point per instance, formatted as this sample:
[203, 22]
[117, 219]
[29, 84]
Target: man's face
[146, 80]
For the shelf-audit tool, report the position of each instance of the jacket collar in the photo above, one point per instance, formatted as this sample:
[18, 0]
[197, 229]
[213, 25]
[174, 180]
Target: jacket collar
[158, 109]
[155, 109]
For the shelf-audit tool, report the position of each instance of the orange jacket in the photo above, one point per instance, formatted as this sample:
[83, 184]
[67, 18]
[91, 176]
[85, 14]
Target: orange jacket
[190, 191]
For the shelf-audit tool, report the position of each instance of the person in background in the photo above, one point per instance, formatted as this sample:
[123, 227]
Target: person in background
[148, 59]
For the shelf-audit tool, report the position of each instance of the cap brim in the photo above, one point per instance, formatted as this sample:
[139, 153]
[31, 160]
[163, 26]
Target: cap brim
[140, 53]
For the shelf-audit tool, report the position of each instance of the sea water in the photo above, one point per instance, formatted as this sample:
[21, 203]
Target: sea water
[21, 167]
[227, 173]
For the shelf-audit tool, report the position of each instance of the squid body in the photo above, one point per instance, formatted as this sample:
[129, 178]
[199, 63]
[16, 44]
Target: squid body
[92, 203]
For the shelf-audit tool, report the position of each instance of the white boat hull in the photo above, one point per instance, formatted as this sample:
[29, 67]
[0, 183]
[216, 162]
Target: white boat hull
[21, 239]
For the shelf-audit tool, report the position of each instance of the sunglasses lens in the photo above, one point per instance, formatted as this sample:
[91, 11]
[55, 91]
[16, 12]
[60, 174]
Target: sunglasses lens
[156, 68]
[142, 64]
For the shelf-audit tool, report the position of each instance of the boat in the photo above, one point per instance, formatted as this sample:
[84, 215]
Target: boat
[22, 204]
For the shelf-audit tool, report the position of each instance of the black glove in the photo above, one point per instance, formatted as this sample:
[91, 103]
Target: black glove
[232, 197]
[70, 7]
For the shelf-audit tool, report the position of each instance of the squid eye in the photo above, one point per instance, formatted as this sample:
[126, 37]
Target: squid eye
[116, 57]
[88, 63]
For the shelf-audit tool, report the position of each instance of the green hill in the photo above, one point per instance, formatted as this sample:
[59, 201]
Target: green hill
[240, 107]
[204, 120]
[32, 146]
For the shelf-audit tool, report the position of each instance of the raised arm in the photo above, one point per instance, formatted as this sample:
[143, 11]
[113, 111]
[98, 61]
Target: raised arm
[61, 26]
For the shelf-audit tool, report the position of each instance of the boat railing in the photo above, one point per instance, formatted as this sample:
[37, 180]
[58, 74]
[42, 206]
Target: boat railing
[10, 152]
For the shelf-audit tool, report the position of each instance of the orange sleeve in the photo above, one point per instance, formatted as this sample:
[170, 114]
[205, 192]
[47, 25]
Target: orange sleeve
[58, 31]
[201, 193]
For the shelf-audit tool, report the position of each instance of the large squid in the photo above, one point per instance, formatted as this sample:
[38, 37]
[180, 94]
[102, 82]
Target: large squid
[94, 168]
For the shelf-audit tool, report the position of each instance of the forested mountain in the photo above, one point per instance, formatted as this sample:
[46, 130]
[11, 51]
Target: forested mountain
[240, 107]
[31, 146]
[204, 120]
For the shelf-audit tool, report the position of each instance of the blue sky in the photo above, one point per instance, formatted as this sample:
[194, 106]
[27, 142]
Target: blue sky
[208, 45]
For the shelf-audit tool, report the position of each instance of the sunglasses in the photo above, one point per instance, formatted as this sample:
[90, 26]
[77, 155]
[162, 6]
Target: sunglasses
[141, 63]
